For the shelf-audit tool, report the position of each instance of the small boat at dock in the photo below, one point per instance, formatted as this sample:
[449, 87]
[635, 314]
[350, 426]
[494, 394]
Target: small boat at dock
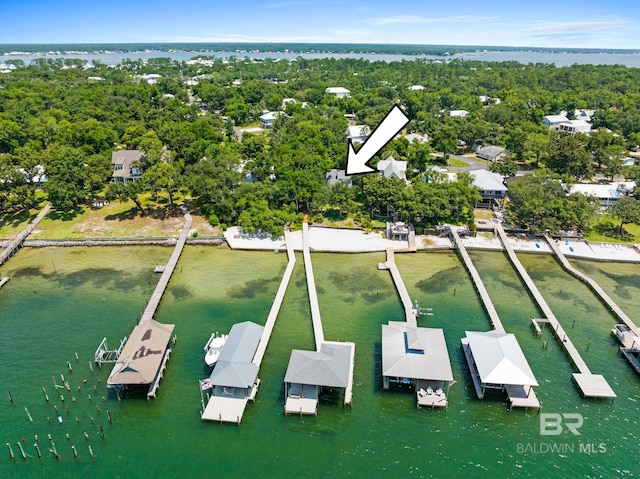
[213, 348]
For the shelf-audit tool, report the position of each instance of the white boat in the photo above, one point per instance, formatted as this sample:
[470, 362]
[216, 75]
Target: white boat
[213, 347]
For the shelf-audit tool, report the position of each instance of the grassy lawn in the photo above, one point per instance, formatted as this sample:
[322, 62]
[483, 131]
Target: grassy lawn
[455, 163]
[12, 223]
[122, 220]
[606, 231]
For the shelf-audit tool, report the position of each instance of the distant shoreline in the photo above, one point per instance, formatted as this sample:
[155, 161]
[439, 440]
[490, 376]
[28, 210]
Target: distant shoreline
[303, 48]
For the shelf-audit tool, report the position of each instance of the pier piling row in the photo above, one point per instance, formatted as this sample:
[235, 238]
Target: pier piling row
[153, 303]
[477, 282]
[16, 242]
[606, 299]
[591, 385]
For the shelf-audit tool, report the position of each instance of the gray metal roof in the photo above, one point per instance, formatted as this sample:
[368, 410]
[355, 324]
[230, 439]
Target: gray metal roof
[234, 367]
[499, 359]
[328, 367]
[417, 353]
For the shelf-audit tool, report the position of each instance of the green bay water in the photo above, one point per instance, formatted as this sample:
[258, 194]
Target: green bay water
[62, 301]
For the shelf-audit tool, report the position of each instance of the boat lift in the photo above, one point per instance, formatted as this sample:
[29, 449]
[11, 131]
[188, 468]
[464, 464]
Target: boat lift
[105, 355]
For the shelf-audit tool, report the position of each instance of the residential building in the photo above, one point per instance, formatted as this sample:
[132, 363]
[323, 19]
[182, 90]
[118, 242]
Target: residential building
[339, 92]
[554, 121]
[128, 165]
[392, 168]
[267, 120]
[606, 194]
[492, 153]
[459, 113]
[338, 176]
[416, 88]
[358, 133]
[575, 126]
[488, 101]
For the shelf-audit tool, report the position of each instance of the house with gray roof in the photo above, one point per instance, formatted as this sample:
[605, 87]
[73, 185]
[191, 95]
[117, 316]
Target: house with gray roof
[492, 153]
[392, 168]
[310, 371]
[128, 165]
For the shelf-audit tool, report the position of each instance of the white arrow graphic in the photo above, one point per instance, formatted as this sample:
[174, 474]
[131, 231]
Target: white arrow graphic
[383, 134]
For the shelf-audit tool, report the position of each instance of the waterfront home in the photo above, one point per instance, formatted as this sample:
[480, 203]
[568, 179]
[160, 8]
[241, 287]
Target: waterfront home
[338, 176]
[128, 165]
[267, 120]
[607, 194]
[554, 121]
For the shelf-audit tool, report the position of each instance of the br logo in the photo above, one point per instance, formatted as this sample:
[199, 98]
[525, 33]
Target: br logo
[553, 424]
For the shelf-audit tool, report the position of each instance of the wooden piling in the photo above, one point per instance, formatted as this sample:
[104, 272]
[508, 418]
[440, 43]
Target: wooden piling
[28, 414]
[24, 456]
[46, 397]
[10, 397]
[11, 455]
[37, 450]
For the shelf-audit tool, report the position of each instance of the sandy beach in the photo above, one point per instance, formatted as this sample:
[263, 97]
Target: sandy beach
[356, 241]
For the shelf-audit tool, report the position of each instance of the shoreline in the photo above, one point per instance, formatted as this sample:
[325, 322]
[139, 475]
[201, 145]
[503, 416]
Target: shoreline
[336, 240]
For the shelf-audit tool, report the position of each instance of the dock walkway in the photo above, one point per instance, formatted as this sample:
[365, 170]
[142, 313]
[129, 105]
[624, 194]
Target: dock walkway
[409, 311]
[477, 281]
[277, 302]
[17, 241]
[153, 303]
[591, 385]
[593, 285]
[311, 286]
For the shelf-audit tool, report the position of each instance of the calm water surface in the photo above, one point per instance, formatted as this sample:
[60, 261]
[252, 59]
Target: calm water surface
[62, 301]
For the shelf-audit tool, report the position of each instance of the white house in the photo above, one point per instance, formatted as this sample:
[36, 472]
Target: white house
[266, 120]
[459, 113]
[416, 88]
[411, 137]
[553, 121]
[392, 168]
[583, 114]
[575, 126]
[358, 133]
[606, 194]
[338, 176]
[487, 100]
[338, 91]
[150, 78]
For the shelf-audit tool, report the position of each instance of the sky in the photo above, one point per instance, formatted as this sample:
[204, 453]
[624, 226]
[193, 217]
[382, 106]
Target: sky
[517, 23]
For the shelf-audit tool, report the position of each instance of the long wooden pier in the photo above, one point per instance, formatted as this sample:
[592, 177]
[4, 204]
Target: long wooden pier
[593, 285]
[17, 241]
[410, 312]
[311, 286]
[477, 281]
[591, 385]
[277, 302]
[153, 303]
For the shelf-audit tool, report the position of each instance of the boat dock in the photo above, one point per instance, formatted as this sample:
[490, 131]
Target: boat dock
[477, 282]
[606, 299]
[591, 385]
[311, 286]
[277, 302]
[17, 240]
[330, 365]
[411, 315]
[4, 281]
[152, 305]
[228, 404]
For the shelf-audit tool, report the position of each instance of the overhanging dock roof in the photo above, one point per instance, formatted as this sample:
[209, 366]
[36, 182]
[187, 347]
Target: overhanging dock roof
[143, 355]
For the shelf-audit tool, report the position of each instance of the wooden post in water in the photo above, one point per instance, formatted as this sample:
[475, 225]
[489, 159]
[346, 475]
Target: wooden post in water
[11, 455]
[44, 391]
[37, 450]
[69, 366]
[24, 456]
[28, 415]
[75, 453]
[10, 397]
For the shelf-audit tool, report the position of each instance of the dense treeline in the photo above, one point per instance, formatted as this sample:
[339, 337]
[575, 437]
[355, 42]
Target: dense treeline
[70, 119]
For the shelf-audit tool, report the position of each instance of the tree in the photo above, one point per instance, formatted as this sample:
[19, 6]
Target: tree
[627, 210]
[162, 176]
[125, 192]
[341, 196]
[537, 145]
[568, 155]
[66, 179]
[612, 157]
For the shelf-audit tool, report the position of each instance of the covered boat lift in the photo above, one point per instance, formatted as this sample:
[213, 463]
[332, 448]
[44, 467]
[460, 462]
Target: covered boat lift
[309, 371]
[417, 357]
[234, 378]
[496, 362]
[143, 358]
